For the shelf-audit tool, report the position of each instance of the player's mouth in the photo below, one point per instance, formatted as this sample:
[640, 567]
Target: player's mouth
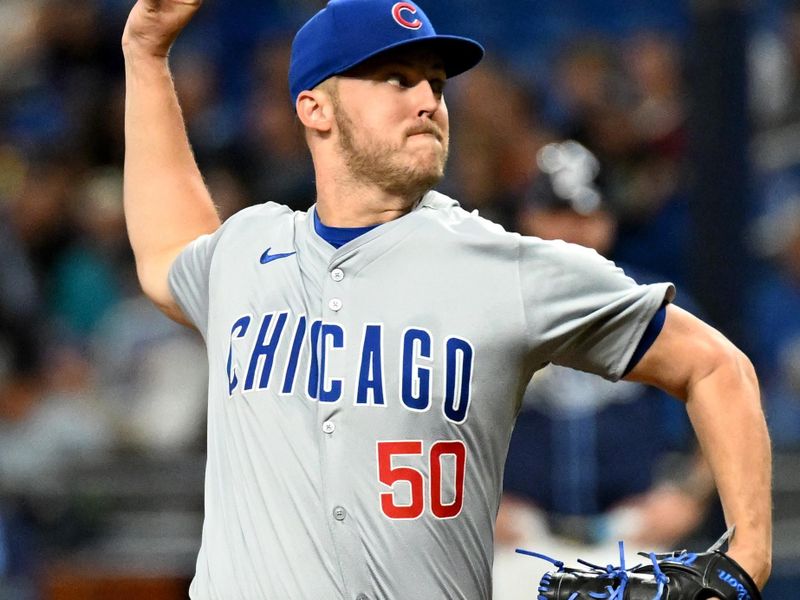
[425, 130]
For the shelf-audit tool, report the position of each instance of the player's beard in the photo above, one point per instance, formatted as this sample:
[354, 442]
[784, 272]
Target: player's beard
[379, 163]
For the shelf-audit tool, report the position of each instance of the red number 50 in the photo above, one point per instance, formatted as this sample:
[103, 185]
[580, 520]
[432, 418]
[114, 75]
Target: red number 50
[389, 475]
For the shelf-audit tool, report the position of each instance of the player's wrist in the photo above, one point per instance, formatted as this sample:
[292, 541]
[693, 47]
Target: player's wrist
[138, 48]
[142, 67]
[148, 41]
[753, 558]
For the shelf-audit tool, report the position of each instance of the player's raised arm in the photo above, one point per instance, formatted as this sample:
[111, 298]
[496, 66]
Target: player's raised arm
[694, 362]
[166, 202]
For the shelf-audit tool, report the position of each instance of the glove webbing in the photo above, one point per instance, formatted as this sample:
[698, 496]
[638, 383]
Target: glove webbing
[618, 575]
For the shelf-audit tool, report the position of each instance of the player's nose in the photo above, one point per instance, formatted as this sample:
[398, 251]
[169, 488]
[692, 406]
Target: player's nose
[427, 99]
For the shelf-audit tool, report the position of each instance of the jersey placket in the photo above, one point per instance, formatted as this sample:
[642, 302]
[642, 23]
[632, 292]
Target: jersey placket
[332, 394]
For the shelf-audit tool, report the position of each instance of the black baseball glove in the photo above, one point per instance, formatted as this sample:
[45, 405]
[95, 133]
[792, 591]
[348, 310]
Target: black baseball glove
[674, 576]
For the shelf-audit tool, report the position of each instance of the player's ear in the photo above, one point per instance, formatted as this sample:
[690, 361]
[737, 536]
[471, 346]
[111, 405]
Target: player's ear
[315, 110]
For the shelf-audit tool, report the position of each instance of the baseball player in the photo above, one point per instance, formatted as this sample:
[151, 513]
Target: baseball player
[367, 357]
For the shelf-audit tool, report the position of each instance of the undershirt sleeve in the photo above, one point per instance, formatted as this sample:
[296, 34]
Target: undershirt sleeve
[650, 334]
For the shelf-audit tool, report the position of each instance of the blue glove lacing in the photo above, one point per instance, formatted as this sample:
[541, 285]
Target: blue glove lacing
[619, 574]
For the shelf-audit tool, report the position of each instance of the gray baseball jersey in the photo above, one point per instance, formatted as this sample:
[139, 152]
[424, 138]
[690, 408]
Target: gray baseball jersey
[361, 400]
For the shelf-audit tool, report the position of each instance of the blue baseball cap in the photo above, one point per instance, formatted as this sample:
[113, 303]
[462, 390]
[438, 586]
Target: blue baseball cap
[347, 32]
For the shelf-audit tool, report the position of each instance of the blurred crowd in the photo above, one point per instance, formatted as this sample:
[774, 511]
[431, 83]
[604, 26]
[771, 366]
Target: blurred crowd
[89, 370]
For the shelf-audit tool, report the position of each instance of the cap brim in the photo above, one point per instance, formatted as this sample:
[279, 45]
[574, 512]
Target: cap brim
[459, 54]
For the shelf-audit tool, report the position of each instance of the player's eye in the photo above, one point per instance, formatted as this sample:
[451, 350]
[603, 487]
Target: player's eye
[438, 85]
[398, 80]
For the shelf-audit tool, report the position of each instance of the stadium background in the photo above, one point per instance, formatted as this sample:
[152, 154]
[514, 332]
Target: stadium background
[692, 108]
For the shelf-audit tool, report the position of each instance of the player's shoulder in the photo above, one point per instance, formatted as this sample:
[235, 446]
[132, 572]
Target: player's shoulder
[446, 213]
[563, 260]
[253, 216]
[258, 219]
[557, 250]
[261, 221]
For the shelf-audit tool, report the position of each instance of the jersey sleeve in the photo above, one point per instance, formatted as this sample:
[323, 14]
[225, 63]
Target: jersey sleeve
[581, 310]
[189, 279]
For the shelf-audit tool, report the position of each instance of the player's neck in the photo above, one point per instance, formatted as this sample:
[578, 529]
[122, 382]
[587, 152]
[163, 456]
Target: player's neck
[345, 203]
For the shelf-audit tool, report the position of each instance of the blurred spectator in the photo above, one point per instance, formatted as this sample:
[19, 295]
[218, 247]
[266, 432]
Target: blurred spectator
[625, 101]
[38, 211]
[587, 78]
[775, 318]
[50, 423]
[774, 54]
[80, 55]
[95, 269]
[18, 549]
[228, 190]
[647, 183]
[22, 326]
[659, 122]
[775, 62]
[585, 466]
[21, 317]
[152, 376]
[271, 153]
[498, 130]
[209, 122]
[775, 298]
[52, 428]
[654, 64]
[17, 40]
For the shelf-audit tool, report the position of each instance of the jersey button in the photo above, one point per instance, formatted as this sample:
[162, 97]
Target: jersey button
[339, 513]
[335, 304]
[337, 274]
[328, 427]
[362, 597]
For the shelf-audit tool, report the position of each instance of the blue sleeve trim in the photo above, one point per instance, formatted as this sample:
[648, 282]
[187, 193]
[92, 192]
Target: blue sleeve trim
[648, 337]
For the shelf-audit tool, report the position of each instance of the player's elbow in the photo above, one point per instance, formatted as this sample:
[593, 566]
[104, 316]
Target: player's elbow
[717, 358]
[153, 278]
[745, 368]
[153, 282]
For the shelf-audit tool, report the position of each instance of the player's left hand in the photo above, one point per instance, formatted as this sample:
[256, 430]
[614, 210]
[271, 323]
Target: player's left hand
[662, 517]
[667, 514]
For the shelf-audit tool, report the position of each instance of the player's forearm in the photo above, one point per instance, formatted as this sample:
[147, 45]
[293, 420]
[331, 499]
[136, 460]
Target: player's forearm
[166, 202]
[725, 410]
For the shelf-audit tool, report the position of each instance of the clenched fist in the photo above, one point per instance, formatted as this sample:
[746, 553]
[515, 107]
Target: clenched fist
[153, 25]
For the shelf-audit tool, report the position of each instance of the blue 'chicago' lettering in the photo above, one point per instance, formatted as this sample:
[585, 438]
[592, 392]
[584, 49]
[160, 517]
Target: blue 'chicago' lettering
[415, 379]
[332, 339]
[294, 356]
[313, 368]
[458, 382]
[370, 372]
[237, 331]
[323, 346]
[263, 355]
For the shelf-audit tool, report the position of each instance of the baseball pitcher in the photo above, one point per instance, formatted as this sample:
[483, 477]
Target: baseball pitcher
[367, 357]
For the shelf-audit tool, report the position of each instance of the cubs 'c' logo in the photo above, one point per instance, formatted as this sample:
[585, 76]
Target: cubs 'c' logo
[397, 12]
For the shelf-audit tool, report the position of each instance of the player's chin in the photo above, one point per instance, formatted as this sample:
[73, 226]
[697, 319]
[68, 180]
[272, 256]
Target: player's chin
[417, 180]
[429, 160]
[429, 172]
[426, 181]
